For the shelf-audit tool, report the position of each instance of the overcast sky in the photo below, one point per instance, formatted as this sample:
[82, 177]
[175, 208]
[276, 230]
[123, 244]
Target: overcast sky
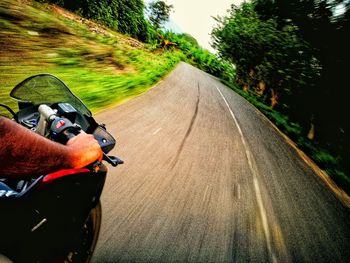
[195, 16]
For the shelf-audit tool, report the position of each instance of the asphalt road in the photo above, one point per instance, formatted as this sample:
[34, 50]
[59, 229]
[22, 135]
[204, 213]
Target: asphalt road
[208, 179]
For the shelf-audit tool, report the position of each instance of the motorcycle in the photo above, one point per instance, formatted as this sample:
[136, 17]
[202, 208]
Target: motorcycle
[55, 217]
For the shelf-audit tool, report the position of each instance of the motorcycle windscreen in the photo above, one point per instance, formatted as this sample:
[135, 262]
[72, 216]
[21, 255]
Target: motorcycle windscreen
[47, 89]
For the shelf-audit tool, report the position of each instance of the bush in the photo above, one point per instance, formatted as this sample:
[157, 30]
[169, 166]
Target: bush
[124, 16]
[200, 57]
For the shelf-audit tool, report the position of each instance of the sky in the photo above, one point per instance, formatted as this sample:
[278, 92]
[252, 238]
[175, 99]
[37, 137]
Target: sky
[195, 17]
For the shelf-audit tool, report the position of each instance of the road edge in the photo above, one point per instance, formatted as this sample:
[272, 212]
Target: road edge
[123, 101]
[335, 189]
[338, 192]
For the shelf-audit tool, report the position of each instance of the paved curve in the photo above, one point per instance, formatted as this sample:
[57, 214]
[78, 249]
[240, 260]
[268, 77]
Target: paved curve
[207, 179]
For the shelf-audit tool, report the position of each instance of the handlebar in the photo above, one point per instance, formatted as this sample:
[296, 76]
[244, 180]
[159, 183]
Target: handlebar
[72, 131]
[112, 160]
[62, 130]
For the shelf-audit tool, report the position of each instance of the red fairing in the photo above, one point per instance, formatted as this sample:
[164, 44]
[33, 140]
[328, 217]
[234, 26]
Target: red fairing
[63, 173]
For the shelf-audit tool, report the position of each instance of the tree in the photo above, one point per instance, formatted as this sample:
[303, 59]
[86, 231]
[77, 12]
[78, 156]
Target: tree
[190, 39]
[159, 13]
[324, 24]
[273, 64]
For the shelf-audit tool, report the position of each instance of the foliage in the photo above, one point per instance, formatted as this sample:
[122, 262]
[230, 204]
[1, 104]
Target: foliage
[200, 57]
[325, 25]
[159, 13]
[271, 63]
[125, 16]
[327, 31]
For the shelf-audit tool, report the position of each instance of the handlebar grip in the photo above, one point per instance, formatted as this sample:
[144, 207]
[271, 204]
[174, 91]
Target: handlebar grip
[63, 129]
[46, 112]
[68, 134]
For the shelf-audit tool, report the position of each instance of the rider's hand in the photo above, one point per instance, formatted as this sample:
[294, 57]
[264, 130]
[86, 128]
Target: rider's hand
[84, 150]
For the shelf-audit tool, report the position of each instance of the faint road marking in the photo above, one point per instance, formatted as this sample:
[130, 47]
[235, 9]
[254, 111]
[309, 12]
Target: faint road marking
[157, 131]
[239, 191]
[205, 193]
[263, 218]
[255, 179]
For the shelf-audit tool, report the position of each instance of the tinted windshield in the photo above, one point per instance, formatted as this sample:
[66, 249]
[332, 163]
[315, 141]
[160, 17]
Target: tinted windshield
[47, 89]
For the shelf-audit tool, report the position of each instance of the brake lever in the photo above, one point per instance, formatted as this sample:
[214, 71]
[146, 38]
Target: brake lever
[112, 160]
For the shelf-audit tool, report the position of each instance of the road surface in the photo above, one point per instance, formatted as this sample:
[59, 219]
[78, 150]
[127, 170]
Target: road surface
[208, 179]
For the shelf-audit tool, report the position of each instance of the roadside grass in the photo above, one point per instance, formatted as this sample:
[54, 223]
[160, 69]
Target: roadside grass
[102, 67]
[327, 161]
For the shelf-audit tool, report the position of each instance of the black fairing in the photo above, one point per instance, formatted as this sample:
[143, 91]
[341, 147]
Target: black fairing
[62, 205]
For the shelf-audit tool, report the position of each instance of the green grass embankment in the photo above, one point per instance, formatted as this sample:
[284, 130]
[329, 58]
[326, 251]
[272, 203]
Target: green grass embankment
[101, 66]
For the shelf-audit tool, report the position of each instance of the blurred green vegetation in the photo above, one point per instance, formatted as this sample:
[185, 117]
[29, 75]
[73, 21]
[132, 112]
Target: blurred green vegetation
[123, 16]
[199, 57]
[101, 66]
